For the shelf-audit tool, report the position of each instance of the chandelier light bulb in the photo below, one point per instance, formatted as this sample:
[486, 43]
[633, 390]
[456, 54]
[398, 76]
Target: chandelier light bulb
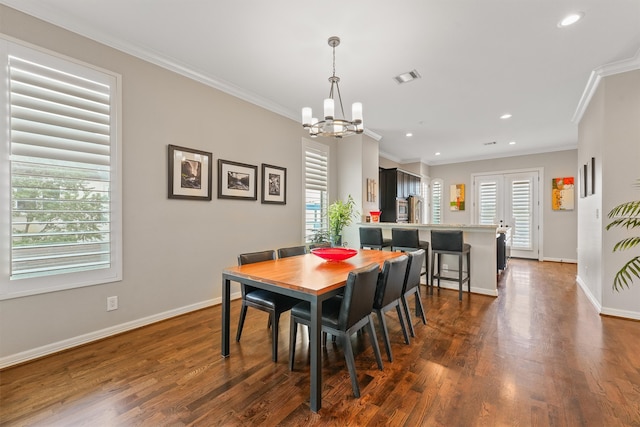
[306, 116]
[329, 109]
[356, 112]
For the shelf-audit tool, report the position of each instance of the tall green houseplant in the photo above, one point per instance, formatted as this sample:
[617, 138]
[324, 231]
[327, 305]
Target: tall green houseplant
[626, 215]
[341, 214]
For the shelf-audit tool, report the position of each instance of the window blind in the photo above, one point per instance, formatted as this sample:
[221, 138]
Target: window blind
[488, 203]
[316, 166]
[60, 159]
[436, 201]
[521, 205]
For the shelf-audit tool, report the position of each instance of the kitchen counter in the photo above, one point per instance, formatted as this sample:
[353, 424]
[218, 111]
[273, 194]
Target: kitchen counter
[482, 239]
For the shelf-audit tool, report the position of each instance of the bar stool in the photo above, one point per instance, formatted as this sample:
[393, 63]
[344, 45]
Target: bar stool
[450, 242]
[371, 237]
[408, 240]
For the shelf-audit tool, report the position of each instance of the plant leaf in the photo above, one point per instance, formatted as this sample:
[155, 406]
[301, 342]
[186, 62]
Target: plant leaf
[626, 274]
[627, 243]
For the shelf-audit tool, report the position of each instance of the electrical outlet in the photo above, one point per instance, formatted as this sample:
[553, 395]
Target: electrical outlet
[112, 303]
[445, 266]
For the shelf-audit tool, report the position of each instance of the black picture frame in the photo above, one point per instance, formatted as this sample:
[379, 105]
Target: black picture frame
[237, 180]
[274, 185]
[590, 175]
[189, 173]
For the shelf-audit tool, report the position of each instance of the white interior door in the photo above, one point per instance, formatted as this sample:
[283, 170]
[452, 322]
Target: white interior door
[511, 200]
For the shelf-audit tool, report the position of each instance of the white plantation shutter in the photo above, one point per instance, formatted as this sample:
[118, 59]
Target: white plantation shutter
[436, 201]
[64, 188]
[316, 185]
[487, 203]
[522, 209]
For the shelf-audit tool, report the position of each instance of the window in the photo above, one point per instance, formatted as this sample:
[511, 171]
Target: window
[436, 201]
[488, 202]
[60, 179]
[316, 191]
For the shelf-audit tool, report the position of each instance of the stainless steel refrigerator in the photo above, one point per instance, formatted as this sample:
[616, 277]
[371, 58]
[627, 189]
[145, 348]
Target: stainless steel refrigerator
[416, 209]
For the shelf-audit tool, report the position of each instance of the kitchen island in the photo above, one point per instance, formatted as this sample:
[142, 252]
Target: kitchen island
[482, 239]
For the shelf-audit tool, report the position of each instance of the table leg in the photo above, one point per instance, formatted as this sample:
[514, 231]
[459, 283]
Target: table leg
[316, 356]
[226, 318]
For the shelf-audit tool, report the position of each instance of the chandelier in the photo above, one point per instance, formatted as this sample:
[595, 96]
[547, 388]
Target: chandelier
[333, 126]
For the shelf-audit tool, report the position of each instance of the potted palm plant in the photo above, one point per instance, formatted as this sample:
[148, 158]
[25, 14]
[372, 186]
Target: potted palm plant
[626, 215]
[340, 215]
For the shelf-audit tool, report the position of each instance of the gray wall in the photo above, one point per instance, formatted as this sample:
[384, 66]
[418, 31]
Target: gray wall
[559, 237]
[609, 132]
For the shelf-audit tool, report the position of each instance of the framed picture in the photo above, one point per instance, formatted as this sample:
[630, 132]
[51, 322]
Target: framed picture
[590, 175]
[189, 173]
[583, 184]
[237, 180]
[456, 197]
[274, 184]
[562, 194]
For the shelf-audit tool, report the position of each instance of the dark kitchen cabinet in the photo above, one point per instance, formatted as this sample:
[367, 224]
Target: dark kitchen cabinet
[395, 184]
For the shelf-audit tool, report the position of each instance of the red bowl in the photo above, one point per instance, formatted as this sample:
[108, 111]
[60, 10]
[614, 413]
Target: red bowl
[334, 254]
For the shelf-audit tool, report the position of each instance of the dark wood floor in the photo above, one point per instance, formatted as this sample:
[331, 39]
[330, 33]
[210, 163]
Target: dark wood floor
[538, 355]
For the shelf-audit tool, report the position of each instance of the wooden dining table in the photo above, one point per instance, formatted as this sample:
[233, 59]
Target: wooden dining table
[306, 277]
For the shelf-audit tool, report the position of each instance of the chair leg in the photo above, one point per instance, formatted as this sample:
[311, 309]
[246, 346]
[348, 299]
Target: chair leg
[385, 334]
[420, 307]
[460, 273]
[274, 335]
[293, 332]
[433, 256]
[374, 342]
[351, 363]
[243, 314]
[405, 305]
[469, 271]
[404, 327]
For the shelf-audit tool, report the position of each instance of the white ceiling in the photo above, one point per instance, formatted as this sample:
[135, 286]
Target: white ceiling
[478, 59]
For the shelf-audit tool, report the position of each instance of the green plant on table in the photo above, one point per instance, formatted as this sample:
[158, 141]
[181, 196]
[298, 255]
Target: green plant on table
[341, 214]
[626, 215]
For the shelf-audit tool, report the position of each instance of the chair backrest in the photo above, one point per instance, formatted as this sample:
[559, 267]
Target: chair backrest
[319, 245]
[251, 257]
[447, 240]
[292, 251]
[405, 237]
[370, 236]
[359, 291]
[414, 268]
[391, 281]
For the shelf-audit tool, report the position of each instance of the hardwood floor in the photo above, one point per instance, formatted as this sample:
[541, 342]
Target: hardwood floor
[538, 355]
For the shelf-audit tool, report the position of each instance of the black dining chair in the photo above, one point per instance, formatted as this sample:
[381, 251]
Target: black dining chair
[389, 296]
[270, 302]
[343, 316]
[412, 287]
[292, 251]
[371, 237]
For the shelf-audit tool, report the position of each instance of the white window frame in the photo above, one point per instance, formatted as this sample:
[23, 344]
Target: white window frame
[440, 201]
[55, 282]
[324, 149]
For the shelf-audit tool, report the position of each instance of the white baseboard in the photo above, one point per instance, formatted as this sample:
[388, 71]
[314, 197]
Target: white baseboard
[568, 261]
[48, 349]
[625, 314]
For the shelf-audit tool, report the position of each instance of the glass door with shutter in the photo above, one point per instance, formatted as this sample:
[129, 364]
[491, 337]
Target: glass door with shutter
[510, 199]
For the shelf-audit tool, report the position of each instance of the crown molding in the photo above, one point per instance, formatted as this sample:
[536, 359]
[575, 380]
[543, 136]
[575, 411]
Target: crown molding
[618, 67]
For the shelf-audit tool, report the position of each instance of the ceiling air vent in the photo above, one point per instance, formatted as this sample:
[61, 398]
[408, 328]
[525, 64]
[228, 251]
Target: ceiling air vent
[407, 77]
[489, 143]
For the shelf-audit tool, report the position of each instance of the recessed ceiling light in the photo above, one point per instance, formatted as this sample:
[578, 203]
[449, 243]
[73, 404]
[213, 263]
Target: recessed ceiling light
[512, 143]
[438, 153]
[505, 116]
[408, 134]
[570, 19]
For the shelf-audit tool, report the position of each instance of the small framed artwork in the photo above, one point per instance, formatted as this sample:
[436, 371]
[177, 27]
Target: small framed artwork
[456, 197]
[189, 173]
[562, 194]
[583, 185]
[589, 177]
[274, 184]
[237, 180]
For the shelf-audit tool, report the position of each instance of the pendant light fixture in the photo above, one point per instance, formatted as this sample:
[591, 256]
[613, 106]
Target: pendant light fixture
[332, 126]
